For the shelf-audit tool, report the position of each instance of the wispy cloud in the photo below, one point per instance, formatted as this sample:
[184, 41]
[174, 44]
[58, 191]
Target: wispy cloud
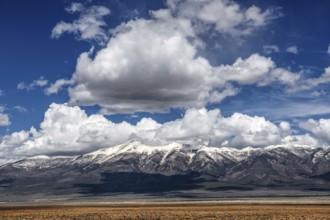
[41, 82]
[318, 93]
[269, 49]
[227, 17]
[58, 85]
[89, 26]
[292, 110]
[20, 108]
[292, 49]
[314, 82]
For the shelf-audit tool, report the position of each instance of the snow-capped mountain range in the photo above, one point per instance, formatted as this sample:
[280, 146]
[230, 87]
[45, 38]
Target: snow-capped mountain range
[270, 166]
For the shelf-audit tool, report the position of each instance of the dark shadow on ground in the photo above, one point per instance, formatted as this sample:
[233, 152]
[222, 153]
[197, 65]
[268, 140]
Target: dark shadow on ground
[141, 183]
[225, 188]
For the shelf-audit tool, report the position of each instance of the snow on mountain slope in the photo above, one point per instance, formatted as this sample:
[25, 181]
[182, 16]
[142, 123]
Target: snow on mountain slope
[271, 163]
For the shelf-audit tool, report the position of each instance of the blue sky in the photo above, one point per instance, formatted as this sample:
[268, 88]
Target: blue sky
[115, 59]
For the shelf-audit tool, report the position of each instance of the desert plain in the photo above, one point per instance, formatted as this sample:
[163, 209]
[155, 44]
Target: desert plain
[166, 211]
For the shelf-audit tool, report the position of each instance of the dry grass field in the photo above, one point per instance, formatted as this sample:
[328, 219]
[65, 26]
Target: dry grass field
[238, 212]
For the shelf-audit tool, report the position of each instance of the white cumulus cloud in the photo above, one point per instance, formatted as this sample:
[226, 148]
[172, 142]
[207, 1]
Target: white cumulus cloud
[154, 64]
[249, 71]
[210, 128]
[4, 118]
[320, 128]
[126, 77]
[305, 139]
[126, 80]
[66, 129]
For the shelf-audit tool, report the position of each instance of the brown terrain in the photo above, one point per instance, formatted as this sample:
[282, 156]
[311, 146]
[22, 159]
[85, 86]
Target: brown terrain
[180, 211]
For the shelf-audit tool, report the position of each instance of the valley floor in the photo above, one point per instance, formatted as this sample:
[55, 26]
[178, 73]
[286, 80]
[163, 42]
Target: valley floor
[166, 211]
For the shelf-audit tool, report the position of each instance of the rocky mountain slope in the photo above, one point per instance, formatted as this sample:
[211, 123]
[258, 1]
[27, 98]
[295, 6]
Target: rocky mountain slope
[171, 167]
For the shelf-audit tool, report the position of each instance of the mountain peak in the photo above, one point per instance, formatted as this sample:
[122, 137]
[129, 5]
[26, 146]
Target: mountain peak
[270, 165]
